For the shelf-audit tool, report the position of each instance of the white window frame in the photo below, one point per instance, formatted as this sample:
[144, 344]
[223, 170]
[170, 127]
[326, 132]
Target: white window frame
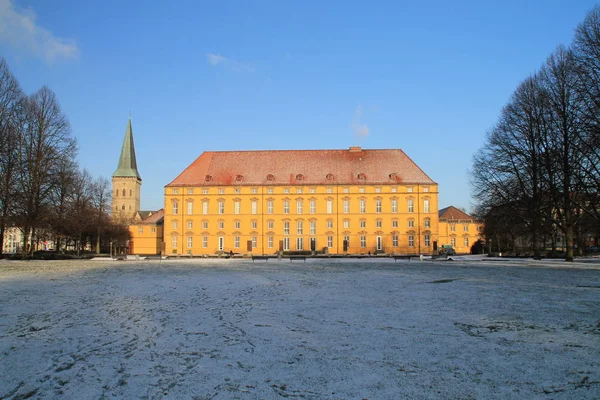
[298, 206]
[313, 227]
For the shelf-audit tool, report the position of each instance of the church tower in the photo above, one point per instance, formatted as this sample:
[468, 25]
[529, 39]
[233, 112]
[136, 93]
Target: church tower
[126, 182]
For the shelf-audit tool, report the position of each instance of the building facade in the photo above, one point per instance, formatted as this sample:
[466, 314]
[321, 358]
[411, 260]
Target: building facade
[147, 233]
[351, 201]
[458, 229]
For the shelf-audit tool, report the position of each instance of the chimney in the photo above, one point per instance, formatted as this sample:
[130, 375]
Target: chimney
[355, 149]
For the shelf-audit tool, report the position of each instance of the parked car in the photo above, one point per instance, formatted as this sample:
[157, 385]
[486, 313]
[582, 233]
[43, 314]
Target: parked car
[447, 251]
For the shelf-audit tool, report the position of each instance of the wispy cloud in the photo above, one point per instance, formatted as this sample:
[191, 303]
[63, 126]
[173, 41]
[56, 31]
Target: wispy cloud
[217, 60]
[358, 127]
[19, 29]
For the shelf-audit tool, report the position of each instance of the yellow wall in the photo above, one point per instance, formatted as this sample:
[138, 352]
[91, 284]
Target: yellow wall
[145, 239]
[463, 229]
[183, 225]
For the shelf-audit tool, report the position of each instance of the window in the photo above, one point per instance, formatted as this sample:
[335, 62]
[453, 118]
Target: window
[221, 191]
[346, 206]
[363, 224]
[299, 207]
[190, 240]
[394, 190]
[190, 191]
[174, 224]
[286, 190]
[270, 207]
[270, 242]
[394, 240]
[254, 242]
[313, 206]
[394, 223]
[427, 241]
[204, 224]
[363, 206]
[411, 240]
[286, 243]
[253, 190]
[270, 224]
[237, 225]
[346, 190]
[236, 207]
[313, 227]
[452, 228]
[117, 192]
[426, 189]
[270, 190]
[190, 224]
[299, 190]
[236, 242]
[411, 206]
[299, 243]
[409, 189]
[205, 241]
[190, 208]
[347, 239]
[329, 224]
[465, 228]
[311, 190]
[427, 223]
[254, 225]
[363, 242]
[236, 190]
[466, 242]
[141, 230]
[175, 207]
[221, 225]
[378, 206]
[286, 228]
[377, 190]
[254, 207]
[329, 206]
[153, 229]
[300, 227]
[205, 207]
[221, 207]
[329, 241]
[411, 223]
[204, 191]
[174, 241]
[175, 191]
[286, 207]
[329, 190]
[346, 223]
[361, 190]
[394, 205]
[453, 242]
[378, 223]
[425, 206]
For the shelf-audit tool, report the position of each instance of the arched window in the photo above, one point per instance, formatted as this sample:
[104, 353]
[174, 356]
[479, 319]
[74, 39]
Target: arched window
[123, 192]
[123, 207]
[300, 177]
[130, 193]
[362, 177]
[208, 178]
[270, 177]
[329, 177]
[239, 178]
[117, 192]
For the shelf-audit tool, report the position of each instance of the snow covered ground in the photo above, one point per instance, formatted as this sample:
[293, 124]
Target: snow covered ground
[324, 329]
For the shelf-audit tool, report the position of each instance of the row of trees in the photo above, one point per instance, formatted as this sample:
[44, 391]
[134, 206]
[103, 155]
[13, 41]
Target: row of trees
[42, 189]
[537, 177]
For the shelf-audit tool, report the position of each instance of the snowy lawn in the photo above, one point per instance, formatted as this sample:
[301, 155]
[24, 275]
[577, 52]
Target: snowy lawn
[324, 329]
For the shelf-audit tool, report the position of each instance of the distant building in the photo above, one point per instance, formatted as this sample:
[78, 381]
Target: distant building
[126, 182]
[147, 233]
[458, 229]
[339, 201]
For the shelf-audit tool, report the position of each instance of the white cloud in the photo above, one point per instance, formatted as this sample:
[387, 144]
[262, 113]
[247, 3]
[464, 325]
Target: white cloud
[230, 64]
[358, 127]
[18, 28]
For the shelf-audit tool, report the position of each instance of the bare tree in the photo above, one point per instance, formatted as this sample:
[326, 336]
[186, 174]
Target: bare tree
[11, 115]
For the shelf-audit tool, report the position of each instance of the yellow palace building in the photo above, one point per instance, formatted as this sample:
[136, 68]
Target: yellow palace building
[352, 201]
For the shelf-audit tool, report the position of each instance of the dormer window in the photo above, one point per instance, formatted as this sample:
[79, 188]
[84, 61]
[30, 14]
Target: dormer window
[299, 177]
[393, 176]
[239, 178]
[207, 178]
[270, 177]
[329, 177]
[362, 177]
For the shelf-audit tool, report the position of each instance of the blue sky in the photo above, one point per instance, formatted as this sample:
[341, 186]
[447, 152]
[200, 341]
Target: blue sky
[427, 77]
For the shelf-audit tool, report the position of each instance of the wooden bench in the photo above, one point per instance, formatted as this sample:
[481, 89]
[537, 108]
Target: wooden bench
[292, 258]
[266, 258]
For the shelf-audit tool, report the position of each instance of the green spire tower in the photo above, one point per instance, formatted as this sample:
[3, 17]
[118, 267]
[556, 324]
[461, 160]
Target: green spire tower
[126, 181]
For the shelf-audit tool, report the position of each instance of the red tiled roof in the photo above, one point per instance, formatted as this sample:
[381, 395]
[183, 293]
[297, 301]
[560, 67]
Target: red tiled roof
[453, 213]
[154, 218]
[301, 167]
